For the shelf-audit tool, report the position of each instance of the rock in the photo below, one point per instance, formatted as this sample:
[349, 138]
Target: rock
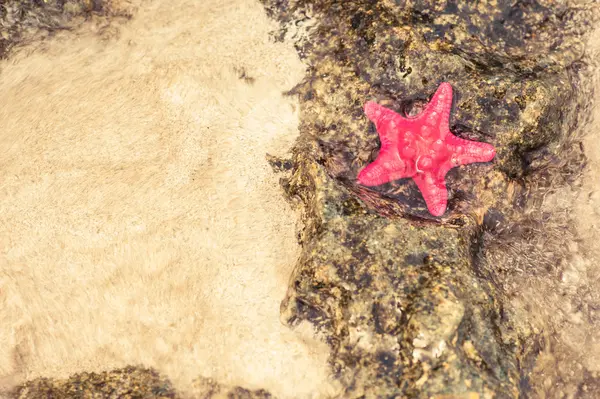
[207, 388]
[405, 300]
[126, 383]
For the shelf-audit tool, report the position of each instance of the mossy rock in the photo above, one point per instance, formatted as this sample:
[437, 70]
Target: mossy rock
[401, 295]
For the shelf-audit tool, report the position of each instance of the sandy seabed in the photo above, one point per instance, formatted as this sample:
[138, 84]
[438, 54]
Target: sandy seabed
[139, 220]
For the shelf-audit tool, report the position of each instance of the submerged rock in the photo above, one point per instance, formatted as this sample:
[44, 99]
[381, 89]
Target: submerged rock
[128, 383]
[408, 302]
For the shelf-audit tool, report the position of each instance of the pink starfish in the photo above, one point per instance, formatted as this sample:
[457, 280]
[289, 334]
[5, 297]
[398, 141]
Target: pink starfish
[421, 147]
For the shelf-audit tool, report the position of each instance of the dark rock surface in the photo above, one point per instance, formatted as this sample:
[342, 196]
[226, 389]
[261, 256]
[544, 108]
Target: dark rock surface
[411, 305]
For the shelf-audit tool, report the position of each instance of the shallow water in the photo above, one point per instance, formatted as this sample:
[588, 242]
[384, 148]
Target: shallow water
[574, 354]
[140, 222]
[551, 276]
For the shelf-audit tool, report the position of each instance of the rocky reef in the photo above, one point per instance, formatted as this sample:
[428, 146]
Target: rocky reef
[411, 305]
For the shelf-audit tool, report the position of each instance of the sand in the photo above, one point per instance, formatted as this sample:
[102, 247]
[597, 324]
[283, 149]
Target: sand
[140, 222]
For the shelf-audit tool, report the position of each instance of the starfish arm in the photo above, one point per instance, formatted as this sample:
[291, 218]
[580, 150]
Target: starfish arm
[437, 112]
[386, 122]
[434, 192]
[387, 167]
[376, 112]
[467, 152]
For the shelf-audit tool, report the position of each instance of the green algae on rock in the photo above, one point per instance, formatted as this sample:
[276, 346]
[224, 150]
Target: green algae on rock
[406, 305]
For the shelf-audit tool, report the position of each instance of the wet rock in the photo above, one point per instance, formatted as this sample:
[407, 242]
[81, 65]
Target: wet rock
[410, 304]
[279, 164]
[399, 302]
[128, 383]
[521, 36]
[207, 388]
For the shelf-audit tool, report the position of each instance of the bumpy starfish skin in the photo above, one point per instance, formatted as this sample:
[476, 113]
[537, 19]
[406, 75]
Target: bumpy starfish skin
[421, 147]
